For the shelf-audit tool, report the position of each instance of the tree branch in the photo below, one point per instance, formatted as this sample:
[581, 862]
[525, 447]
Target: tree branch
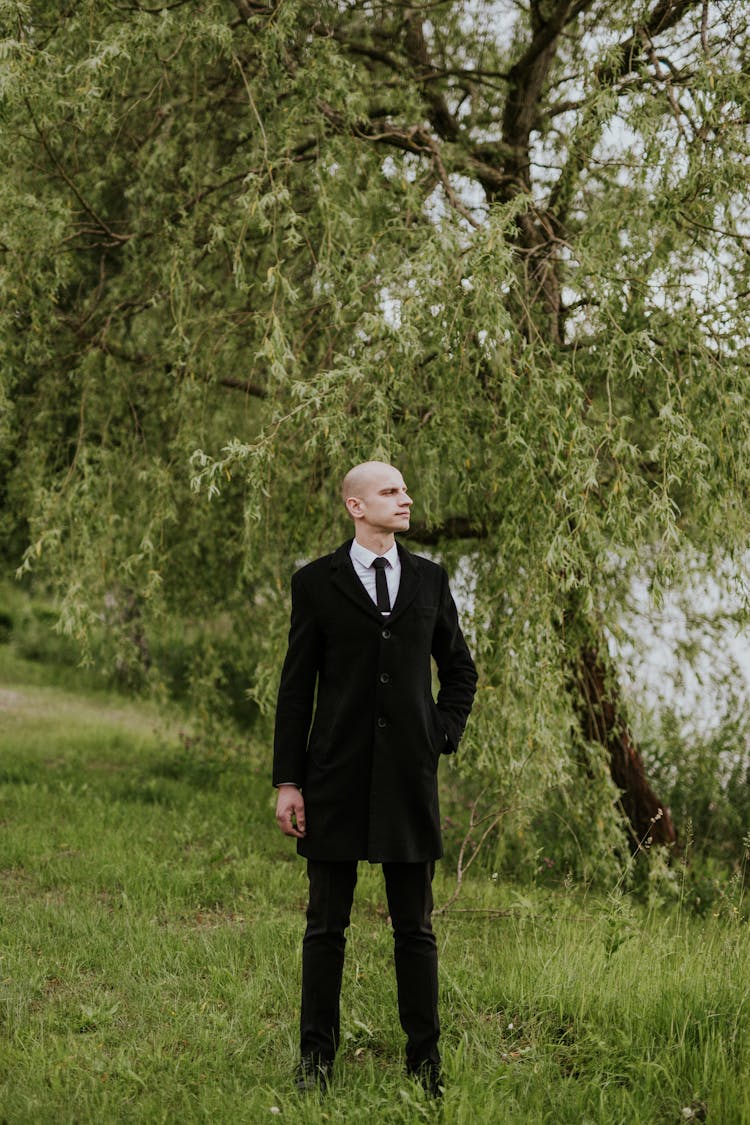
[665, 15]
[432, 72]
[525, 85]
[410, 138]
[453, 199]
[116, 239]
[248, 8]
[243, 385]
[454, 527]
[440, 116]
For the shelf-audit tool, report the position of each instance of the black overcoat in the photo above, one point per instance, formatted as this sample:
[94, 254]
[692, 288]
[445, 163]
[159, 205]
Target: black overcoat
[367, 762]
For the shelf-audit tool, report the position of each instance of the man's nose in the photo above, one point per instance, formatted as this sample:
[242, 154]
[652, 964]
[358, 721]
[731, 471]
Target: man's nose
[406, 499]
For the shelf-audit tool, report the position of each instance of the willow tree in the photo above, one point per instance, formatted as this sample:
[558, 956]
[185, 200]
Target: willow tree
[499, 243]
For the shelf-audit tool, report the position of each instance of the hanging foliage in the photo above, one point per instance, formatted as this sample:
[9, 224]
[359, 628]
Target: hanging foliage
[503, 245]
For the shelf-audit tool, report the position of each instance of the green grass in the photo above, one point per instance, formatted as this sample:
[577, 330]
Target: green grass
[150, 922]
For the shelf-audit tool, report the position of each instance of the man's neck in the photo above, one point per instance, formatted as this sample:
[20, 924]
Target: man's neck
[379, 542]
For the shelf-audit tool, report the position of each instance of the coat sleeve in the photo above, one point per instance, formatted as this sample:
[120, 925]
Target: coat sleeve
[456, 670]
[294, 705]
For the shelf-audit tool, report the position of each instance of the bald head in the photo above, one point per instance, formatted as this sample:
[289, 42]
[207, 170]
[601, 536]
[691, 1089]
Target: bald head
[376, 499]
[359, 480]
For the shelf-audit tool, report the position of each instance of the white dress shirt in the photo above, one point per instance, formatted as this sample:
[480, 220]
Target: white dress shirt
[362, 560]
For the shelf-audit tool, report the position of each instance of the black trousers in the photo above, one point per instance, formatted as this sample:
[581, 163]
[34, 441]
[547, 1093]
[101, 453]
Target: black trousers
[409, 892]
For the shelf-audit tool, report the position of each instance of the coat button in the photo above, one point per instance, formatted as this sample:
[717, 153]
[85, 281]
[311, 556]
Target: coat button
[381, 722]
[385, 678]
[385, 634]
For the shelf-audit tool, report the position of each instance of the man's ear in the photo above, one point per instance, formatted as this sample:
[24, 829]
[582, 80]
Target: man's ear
[354, 507]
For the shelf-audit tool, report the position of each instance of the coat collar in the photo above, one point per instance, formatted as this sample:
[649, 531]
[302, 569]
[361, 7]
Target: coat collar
[345, 578]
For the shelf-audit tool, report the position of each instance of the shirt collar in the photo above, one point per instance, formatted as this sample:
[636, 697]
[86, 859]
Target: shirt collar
[365, 556]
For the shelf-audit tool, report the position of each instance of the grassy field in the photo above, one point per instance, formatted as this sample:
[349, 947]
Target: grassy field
[150, 925]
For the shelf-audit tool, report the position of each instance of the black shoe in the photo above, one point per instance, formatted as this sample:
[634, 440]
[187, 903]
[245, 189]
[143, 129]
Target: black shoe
[429, 1076]
[312, 1074]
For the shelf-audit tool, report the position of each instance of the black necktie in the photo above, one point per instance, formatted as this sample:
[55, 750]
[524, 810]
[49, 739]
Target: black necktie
[381, 585]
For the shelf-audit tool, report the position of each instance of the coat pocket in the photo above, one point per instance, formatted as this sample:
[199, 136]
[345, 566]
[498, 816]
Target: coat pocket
[438, 731]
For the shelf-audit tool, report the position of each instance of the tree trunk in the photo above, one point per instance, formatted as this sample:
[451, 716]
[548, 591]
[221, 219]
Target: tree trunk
[600, 712]
[602, 721]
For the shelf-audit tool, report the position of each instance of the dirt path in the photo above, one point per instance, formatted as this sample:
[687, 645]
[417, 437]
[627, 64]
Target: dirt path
[41, 705]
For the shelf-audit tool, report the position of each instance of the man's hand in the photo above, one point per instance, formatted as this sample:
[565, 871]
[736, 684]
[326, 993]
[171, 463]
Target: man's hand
[290, 811]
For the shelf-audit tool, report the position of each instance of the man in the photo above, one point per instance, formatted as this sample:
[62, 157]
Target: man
[361, 782]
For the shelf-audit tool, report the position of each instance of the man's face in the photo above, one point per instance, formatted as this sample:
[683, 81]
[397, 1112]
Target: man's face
[382, 502]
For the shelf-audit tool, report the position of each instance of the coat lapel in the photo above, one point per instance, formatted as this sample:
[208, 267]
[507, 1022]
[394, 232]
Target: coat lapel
[345, 579]
[409, 584]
